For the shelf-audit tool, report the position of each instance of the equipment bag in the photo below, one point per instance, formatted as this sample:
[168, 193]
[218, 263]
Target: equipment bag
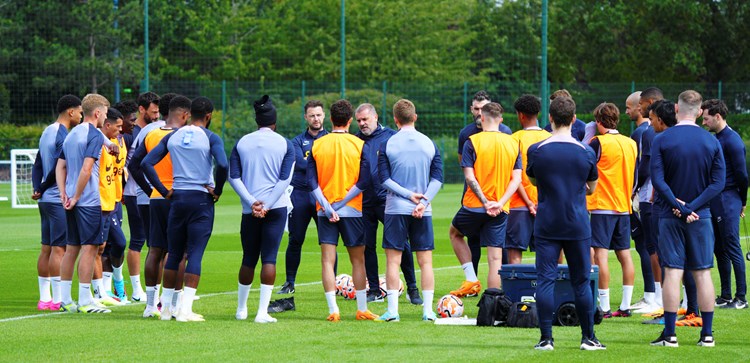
[494, 306]
[523, 315]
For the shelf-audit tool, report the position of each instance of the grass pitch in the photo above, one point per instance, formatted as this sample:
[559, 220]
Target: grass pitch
[304, 335]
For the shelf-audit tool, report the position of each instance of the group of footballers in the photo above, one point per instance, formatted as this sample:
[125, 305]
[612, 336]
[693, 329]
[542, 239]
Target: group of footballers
[572, 191]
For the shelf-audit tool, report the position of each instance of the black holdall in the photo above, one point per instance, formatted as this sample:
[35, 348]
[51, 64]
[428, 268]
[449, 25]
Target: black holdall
[523, 315]
[494, 306]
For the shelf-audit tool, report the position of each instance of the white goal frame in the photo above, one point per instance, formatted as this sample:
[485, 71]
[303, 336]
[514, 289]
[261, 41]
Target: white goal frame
[14, 163]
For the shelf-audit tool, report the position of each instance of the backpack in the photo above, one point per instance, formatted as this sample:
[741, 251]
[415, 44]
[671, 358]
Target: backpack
[523, 315]
[494, 306]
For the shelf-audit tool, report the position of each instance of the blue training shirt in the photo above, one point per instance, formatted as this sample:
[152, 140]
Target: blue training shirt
[734, 158]
[577, 129]
[131, 187]
[643, 136]
[561, 166]
[43, 174]
[84, 141]
[302, 144]
[191, 149]
[409, 162]
[686, 163]
[260, 168]
[375, 195]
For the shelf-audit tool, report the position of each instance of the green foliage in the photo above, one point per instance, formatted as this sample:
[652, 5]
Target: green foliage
[18, 137]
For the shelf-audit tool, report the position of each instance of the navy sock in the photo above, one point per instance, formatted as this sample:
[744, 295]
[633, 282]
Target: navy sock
[669, 323]
[708, 320]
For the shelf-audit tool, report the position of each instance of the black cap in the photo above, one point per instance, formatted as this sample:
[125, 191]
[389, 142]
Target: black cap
[265, 112]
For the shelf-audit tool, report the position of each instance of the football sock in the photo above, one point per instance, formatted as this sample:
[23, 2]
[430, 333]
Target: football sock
[650, 298]
[393, 301]
[670, 318]
[117, 273]
[175, 300]
[265, 298]
[56, 292]
[708, 321]
[627, 296]
[168, 294]
[98, 288]
[157, 295]
[427, 296]
[107, 282]
[44, 289]
[658, 293]
[242, 292]
[84, 294]
[604, 299]
[135, 280]
[151, 296]
[469, 272]
[331, 300]
[188, 294]
[65, 291]
[362, 300]
[684, 298]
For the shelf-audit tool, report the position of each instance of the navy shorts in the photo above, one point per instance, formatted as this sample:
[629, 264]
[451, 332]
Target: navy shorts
[85, 226]
[53, 224]
[112, 233]
[261, 237]
[610, 231]
[189, 227]
[686, 246]
[397, 229]
[490, 230]
[350, 229]
[135, 224]
[159, 214]
[520, 230]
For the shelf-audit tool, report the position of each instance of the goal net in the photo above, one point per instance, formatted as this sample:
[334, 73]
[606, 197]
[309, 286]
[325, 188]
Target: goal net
[21, 189]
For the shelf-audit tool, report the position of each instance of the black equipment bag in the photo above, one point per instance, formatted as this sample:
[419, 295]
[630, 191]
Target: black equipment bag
[494, 306]
[523, 315]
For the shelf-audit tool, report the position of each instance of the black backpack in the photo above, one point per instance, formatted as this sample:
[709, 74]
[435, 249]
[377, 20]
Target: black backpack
[494, 306]
[523, 315]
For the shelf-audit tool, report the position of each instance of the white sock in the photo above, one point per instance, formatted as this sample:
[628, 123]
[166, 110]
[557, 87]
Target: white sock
[331, 300]
[44, 289]
[604, 299]
[175, 300]
[265, 299]
[627, 296]
[167, 295]
[392, 301]
[361, 300]
[658, 294]
[84, 294]
[117, 273]
[135, 280]
[98, 286]
[650, 298]
[428, 296]
[157, 295]
[56, 292]
[242, 292]
[188, 294]
[684, 298]
[469, 272]
[107, 281]
[66, 286]
[151, 296]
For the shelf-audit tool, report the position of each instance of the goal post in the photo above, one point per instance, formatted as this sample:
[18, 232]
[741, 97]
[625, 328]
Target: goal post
[21, 188]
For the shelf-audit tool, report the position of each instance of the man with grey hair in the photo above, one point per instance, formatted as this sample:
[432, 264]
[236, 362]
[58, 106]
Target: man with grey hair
[687, 172]
[373, 203]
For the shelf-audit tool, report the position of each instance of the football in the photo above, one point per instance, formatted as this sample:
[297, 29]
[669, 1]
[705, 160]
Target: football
[400, 285]
[450, 306]
[343, 281]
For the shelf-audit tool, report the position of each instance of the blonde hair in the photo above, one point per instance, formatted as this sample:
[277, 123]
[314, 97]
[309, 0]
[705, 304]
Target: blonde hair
[404, 111]
[91, 102]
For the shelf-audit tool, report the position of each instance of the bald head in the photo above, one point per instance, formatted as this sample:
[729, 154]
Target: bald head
[633, 109]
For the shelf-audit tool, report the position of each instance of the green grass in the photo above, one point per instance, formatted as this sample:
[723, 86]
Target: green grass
[304, 335]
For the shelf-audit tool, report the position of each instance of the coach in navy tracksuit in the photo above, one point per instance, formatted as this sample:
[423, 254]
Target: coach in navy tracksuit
[729, 206]
[303, 202]
[373, 206]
